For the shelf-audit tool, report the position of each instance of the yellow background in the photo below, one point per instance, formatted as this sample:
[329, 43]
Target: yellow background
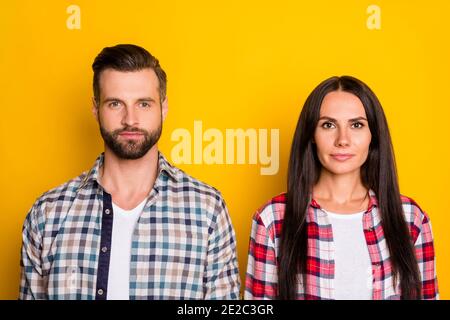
[230, 64]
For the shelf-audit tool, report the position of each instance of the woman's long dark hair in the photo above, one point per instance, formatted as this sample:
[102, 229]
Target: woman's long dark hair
[377, 173]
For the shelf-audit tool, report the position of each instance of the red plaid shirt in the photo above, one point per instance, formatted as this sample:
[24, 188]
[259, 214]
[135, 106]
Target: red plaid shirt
[261, 279]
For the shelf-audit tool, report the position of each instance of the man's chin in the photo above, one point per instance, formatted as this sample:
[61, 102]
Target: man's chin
[129, 148]
[130, 151]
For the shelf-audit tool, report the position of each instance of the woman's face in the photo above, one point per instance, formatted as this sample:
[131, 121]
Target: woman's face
[342, 134]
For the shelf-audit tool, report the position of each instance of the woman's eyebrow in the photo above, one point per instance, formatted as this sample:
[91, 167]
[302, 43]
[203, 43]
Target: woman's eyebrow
[334, 120]
[327, 118]
[357, 119]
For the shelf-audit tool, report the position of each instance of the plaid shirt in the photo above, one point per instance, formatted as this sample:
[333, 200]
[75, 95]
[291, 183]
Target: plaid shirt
[261, 278]
[183, 245]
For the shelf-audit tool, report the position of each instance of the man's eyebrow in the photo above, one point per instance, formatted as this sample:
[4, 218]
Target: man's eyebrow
[147, 99]
[110, 99]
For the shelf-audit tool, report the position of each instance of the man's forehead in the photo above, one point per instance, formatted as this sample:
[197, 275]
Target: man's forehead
[129, 82]
[113, 74]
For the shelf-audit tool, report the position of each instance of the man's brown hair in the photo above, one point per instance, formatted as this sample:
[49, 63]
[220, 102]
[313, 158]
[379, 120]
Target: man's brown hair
[127, 57]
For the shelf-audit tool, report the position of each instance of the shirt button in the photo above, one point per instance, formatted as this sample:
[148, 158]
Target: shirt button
[107, 211]
[100, 292]
[104, 249]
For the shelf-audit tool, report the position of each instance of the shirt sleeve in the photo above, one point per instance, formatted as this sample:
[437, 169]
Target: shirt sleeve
[222, 280]
[32, 281]
[261, 276]
[425, 254]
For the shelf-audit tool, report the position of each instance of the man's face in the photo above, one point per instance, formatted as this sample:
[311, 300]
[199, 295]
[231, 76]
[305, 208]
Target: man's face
[129, 112]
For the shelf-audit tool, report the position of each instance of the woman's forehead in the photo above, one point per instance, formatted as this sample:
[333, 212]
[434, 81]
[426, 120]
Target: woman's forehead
[342, 105]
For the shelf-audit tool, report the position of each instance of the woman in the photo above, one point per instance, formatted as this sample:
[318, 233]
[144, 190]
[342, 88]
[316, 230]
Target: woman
[342, 230]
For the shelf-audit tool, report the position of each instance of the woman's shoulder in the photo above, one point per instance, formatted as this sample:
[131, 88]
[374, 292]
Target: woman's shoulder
[413, 212]
[271, 212]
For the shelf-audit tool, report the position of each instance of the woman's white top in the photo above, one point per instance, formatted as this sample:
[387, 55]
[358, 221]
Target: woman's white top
[353, 267]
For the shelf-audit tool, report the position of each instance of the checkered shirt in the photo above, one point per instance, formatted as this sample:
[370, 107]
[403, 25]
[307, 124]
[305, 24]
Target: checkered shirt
[183, 245]
[261, 277]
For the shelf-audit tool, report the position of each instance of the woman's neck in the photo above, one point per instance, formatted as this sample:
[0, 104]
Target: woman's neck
[341, 192]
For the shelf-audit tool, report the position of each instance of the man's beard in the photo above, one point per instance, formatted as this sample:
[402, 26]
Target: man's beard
[130, 149]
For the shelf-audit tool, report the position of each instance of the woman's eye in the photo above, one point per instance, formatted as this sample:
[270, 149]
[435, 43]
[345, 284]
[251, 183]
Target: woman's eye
[327, 125]
[357, 125]
[145, 104]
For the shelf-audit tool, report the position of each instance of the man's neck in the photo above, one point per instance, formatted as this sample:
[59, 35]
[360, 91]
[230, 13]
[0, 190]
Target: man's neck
[129, 181]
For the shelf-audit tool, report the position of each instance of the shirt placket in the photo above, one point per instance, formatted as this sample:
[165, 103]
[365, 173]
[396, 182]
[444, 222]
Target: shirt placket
[329, 249]
[375, 255]
[324, 252]
[105, 245]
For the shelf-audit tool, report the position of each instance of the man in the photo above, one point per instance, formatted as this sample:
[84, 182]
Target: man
[134, 226]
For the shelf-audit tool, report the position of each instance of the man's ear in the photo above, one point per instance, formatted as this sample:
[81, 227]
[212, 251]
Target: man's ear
[95, 108]
[165, 108]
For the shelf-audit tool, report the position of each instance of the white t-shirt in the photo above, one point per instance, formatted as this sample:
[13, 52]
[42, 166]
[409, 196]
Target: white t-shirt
[124, 222]
[353, 267]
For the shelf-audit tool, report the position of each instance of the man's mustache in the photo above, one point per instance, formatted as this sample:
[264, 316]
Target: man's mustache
[129, 129]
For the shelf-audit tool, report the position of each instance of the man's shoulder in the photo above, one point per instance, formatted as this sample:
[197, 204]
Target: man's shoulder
[49, 206]
[64, 192]
[187, 183]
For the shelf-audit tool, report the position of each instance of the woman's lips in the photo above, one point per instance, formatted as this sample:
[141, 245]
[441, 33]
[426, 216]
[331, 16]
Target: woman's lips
[341, 156]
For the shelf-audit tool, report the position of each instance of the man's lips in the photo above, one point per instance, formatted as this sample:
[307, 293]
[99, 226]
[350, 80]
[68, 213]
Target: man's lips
[341, 156]
[131, 134]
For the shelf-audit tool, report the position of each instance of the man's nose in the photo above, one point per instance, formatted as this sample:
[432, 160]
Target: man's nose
[130, 117]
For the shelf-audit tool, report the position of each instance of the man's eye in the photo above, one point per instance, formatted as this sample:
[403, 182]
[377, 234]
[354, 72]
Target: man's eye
[327, 125]
[114, 104]
[145, 104]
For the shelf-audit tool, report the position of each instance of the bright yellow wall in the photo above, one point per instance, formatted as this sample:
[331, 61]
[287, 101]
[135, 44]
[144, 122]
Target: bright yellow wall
[230, 64]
